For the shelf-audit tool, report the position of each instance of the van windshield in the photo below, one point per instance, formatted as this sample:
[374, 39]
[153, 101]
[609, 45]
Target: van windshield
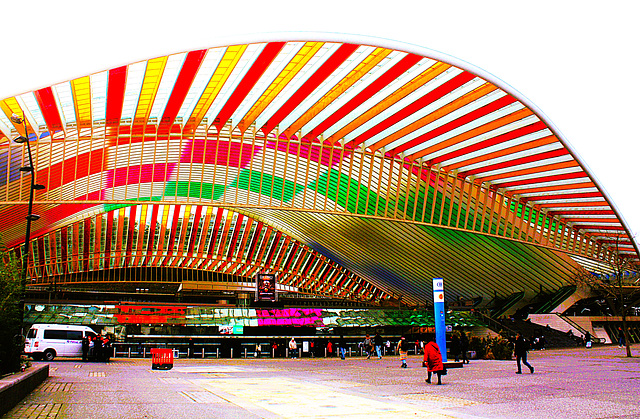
[31, 334]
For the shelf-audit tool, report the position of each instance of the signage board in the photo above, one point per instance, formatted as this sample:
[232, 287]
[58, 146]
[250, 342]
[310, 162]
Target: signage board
[266, 287]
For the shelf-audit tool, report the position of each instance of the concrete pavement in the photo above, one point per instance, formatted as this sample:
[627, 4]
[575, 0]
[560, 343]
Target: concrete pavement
[569, 383]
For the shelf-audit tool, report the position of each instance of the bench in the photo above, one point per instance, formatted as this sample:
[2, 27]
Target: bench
[452, 364]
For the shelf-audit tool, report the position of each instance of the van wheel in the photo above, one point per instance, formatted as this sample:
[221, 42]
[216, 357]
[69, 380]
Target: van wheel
[49, 354]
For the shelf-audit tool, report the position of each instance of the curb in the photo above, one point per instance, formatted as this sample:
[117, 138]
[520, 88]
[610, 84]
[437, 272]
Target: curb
[15, 387]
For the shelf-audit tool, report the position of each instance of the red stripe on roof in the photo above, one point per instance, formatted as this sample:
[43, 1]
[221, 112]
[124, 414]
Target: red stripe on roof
[591, 227]
[430, 97]
[310, 85]
[216, 227]
[538, 180]
[115, 95]
[181, 87]
[564, 196]
[152, 229]
[107, 250]
[274, 246]
[49, 109]
[67, 171]
[132, 226]
[580, 212]
[393, 73]
[464, 119]
[516, 162]
[254, 241]
[236, 230]
[194, 230]
[256, 71]
[529, 129]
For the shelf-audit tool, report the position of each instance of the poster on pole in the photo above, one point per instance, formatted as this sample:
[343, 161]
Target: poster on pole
[266, 287]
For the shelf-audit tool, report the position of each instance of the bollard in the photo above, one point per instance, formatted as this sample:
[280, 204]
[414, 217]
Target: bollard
[144, 352]
[129, 351]
[203, 352]
[325, 352]
[286, 352]
[349, 351]
[232, 353]
[245, 353]
[273, 353]
[217, 353]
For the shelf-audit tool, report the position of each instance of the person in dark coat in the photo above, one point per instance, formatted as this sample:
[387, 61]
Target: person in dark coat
[433, 359]
[377, 341]
[521, 348]
[85, 348]
[455, 346]
[464, 346]
[97, 348]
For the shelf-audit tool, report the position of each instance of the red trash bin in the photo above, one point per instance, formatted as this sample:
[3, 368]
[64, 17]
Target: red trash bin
[161, 359]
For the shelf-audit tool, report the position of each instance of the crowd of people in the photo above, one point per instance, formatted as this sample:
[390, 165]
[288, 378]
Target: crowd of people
[96, 348]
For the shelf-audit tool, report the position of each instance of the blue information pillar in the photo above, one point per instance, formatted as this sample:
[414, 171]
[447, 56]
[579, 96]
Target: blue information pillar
[438, 311]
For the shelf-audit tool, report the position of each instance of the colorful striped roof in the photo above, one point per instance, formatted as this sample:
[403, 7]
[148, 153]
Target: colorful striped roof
[356, 133]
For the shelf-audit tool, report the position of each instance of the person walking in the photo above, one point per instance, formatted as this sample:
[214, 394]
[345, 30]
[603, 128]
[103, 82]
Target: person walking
[432, 359]
[403, 350]
[366, 345]
[342, 346]
[293, 348]
[377, 341]
[621, 342]
[464, 346]
[587, 339]
[521, 349]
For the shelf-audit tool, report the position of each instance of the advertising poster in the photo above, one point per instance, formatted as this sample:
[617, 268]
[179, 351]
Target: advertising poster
[266, 287]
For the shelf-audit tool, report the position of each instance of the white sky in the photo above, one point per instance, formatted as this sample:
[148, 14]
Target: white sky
[578, 61]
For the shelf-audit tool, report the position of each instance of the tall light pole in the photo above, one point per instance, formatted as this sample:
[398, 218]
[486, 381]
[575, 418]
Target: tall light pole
[30, 216]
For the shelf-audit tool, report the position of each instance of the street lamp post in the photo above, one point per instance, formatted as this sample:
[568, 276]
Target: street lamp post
[30, 216]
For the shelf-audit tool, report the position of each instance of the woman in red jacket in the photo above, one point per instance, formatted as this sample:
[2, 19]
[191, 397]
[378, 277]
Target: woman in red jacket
[433, 359]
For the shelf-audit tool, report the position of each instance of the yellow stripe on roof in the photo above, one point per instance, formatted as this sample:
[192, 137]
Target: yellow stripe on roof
[10, 106]
[218, 79]
[472, 96]
[81, 89]
[356, 74]
[419, 81]
[152, 78]
[289, 72]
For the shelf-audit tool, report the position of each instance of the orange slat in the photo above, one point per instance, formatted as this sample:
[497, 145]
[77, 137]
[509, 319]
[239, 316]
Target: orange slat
[500, 122]
[419, 81]
[521, 147]
[472, 96]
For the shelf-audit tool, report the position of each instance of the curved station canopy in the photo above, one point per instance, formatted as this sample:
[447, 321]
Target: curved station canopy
[352, 170]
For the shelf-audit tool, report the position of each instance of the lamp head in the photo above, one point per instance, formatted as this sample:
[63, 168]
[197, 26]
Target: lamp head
[16, 119]
[21, 139]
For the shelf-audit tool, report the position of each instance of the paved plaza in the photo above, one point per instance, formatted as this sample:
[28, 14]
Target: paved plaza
[568, 383]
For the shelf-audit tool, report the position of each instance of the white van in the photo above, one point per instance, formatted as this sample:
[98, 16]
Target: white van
[46, 341]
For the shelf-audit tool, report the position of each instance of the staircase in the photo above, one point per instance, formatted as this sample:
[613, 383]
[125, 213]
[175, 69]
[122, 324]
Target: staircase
[554, 338]
[552, 301]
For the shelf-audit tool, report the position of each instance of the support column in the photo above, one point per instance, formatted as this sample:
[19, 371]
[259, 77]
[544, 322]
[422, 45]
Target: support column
[438, 308]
